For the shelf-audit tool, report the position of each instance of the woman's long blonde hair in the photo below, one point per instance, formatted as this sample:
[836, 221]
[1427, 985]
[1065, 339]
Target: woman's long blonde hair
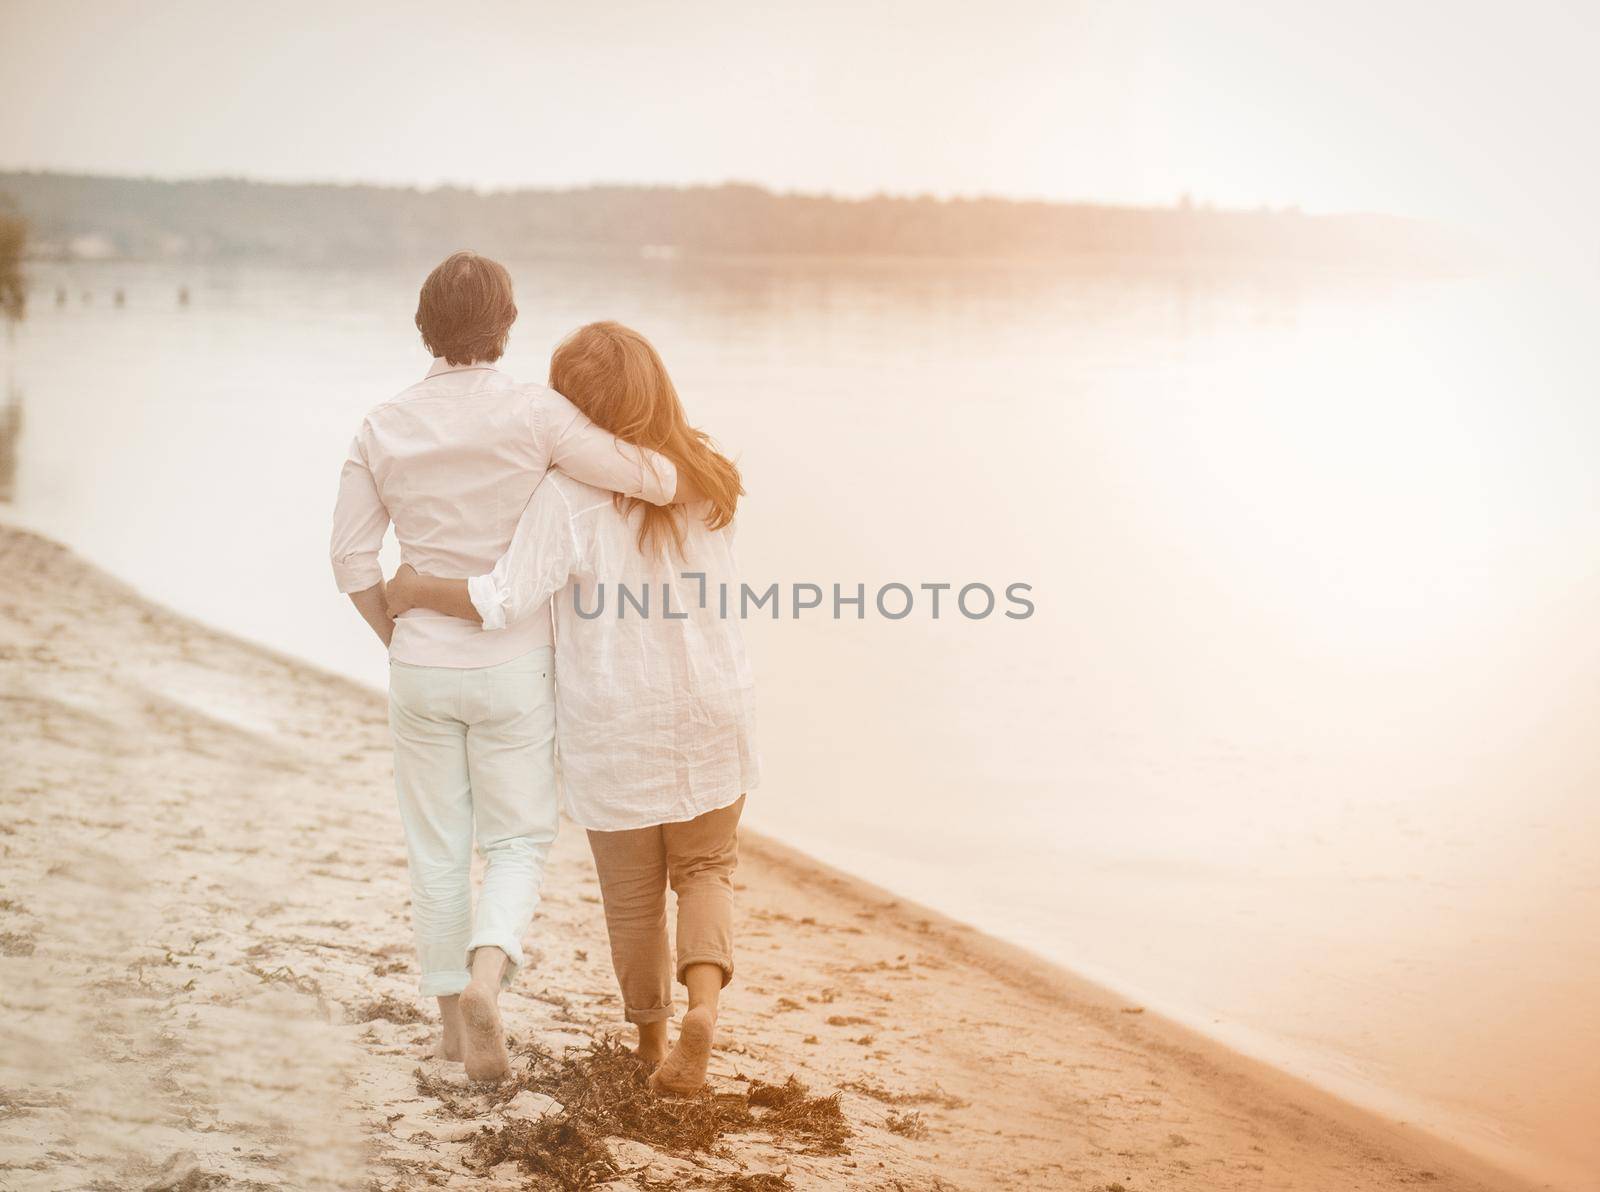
[614, 375]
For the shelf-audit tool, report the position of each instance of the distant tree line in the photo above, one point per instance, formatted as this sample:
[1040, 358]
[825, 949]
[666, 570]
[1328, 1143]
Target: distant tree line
[13, 244]
[75, 215]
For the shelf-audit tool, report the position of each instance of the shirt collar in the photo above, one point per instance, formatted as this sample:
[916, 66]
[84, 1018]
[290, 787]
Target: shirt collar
[441, 365]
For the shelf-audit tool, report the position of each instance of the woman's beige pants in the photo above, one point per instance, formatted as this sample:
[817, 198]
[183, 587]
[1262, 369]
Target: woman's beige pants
[696, 858]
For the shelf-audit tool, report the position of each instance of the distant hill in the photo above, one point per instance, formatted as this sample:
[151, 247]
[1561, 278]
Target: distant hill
[86, 216]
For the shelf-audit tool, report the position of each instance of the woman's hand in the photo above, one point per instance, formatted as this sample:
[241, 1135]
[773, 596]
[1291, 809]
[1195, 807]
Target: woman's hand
[400, 594]
[411, 589]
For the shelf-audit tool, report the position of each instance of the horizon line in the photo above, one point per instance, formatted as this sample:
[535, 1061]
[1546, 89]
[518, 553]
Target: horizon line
[1197, 203]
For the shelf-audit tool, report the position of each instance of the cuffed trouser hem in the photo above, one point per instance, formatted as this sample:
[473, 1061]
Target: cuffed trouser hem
[512, 948]
[722, 962]
[640, 1017]
[444, 984]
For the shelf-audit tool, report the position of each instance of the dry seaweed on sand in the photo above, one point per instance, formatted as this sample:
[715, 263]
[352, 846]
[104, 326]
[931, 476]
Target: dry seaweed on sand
[604, 1092]
[607, 1087]
[792, 1110]
[562, 1148]
[907, 1125]
[390, 1009]
[878, 1093]
[15, 943]
[284, 975]
[182, 1172]
[744, 1181]
[729, 1181]
[447, 1094]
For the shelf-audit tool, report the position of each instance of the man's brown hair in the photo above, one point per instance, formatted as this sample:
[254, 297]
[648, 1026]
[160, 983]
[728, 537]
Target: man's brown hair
[465, 310]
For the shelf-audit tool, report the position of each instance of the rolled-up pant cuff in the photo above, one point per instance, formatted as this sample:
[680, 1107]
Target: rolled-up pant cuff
[722, 962]
[511, 947]
[445, 984]
[653, 1014]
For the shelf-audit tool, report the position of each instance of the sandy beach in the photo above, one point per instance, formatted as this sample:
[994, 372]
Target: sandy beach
[207, 981]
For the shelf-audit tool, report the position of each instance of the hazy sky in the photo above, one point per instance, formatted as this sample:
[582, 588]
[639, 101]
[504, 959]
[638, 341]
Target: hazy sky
[1472, 111]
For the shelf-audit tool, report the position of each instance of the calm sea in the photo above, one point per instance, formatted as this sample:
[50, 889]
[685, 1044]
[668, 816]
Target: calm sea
[1300, 744]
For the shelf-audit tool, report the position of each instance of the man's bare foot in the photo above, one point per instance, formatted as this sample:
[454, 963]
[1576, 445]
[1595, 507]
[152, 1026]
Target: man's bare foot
[484, 1039]
[443, 1049]
[448, 1045]
[683, 1072]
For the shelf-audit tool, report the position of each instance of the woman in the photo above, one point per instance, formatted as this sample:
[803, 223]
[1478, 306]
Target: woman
[654, 699]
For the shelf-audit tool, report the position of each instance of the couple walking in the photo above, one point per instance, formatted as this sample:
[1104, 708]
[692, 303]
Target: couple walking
[507, 500]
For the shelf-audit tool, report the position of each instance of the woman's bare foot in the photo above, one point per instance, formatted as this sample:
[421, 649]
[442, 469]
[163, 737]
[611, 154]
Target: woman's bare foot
[683, 1072]
[652, 1047]
[483, 1037]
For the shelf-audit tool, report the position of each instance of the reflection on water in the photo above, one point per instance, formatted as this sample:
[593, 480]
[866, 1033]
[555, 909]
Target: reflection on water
[10, 437]
[1299, 744]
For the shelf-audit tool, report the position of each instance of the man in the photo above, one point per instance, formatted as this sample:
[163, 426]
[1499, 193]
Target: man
[451, 463]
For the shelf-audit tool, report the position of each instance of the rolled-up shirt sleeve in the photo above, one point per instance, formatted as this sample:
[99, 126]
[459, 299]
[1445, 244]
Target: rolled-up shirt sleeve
[585, 452]
[360, 520]
[543, 553]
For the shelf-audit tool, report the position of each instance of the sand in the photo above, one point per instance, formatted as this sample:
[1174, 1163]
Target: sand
[206, 975]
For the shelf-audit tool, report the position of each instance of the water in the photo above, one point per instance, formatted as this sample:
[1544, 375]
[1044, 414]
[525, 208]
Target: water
[1299, 745]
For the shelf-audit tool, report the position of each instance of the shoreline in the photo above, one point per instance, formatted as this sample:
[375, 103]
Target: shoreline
[187, 999]
[1460, 1141]
[1025, 967]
